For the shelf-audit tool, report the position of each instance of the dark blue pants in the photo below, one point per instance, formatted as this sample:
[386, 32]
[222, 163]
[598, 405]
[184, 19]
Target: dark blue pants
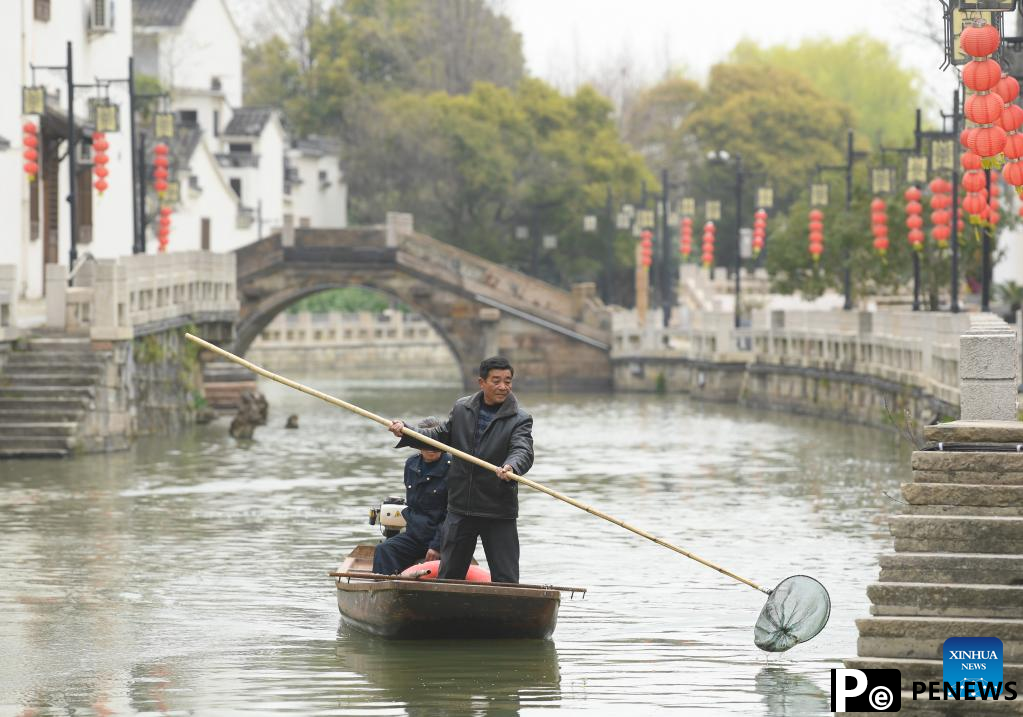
[500, 543]
[397, 553]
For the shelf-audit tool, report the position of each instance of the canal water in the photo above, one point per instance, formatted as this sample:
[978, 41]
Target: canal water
[189, 575]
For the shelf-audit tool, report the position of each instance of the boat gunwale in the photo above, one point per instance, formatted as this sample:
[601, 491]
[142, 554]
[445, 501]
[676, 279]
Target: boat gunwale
[411, 585]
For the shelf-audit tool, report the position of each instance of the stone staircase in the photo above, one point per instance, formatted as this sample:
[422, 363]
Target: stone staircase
[45, 391]
[957, 569]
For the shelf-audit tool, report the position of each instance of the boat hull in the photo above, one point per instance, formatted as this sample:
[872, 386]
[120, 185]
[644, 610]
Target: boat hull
[421, 610]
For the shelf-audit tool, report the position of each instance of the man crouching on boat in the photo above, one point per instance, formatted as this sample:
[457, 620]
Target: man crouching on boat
[426, 501]
[489, 425]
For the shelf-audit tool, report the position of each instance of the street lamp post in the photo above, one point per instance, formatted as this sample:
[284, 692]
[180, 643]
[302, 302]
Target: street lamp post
[723, 156]
[850, 157]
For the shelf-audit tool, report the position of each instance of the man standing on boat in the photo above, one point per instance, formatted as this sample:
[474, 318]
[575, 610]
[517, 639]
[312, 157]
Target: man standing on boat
[489, 425]
[426, 505]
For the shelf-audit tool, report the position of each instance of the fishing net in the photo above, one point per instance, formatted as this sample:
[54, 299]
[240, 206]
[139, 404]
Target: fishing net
[796, 610]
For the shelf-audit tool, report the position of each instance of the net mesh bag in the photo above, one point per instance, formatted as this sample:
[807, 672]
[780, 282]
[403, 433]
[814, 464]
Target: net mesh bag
[796, 610]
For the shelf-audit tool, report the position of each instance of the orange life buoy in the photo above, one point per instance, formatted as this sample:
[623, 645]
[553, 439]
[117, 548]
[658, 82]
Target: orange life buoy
[476, 574]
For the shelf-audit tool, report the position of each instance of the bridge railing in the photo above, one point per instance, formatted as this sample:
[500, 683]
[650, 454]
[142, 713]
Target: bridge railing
[578, 309]
[117, 299]
[919, 349]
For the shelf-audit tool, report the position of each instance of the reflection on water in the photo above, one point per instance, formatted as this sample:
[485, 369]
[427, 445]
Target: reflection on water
[189, 574]
[505, 675]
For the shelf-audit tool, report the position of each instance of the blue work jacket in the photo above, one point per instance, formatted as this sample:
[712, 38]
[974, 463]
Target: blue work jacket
[426, 498]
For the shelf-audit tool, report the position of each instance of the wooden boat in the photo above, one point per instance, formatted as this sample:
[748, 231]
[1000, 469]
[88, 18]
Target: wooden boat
[407, 608]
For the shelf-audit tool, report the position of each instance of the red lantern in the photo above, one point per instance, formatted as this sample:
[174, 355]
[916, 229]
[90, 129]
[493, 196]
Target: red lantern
[970, 160]
[1013, 148]
[979, 38]
[1007, 88]
[100, 145]
[1013, 172]
[1012, 117]
[988, 141]
[913, 194]
[30, 155]
[984, 108]
[982, 75]
[964, 137]
[685, 246]
[646, 248]
[916, 238]
[974, 204]
[974, 181]
[816, 235]
[708, 244]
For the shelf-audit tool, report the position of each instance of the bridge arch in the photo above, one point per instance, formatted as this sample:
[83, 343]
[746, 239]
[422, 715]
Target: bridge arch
[556, 340]
[250, 327]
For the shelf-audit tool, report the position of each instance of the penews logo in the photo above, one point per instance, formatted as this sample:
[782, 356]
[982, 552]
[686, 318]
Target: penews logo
[866, 690]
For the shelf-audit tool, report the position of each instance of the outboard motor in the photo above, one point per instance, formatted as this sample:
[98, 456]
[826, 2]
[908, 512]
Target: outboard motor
[389, 516]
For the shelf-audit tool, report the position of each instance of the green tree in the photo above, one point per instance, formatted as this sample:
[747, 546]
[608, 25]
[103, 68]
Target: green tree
[860, 71]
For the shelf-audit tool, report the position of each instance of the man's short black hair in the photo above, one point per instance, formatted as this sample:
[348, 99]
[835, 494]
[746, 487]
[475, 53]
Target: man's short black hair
[494, 363]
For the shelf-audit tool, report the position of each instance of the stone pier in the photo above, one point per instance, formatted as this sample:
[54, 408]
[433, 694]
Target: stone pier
[957, 565]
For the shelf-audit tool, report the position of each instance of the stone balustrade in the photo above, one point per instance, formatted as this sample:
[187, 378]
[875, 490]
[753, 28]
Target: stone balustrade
[915, 349]
[8, 297]
[118, 299]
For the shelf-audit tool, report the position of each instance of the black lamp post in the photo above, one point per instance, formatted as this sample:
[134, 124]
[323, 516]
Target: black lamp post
[721, 155]
[850, 157]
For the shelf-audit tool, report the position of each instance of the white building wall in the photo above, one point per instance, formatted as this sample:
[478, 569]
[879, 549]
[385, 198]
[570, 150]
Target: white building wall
[313, 203]
[207, 45]
[24, 40]
[214, 200]
[271, 148]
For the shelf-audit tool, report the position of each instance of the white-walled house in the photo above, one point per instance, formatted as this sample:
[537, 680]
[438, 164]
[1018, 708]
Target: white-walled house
[316, 184]
[194, 48]
[36, 214]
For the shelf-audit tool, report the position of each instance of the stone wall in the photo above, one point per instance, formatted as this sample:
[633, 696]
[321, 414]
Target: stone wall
[149, 385]
[957, 565]
[361, 345]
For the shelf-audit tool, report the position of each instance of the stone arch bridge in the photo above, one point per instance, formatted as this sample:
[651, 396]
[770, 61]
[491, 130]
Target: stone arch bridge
[557, 340]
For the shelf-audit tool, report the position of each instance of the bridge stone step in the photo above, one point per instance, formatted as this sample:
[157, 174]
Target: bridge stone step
[964, 495]
[949, 466]
[40, 429]
[30, 404]
[957, 534]
[32, 452]
[962, 568]
[23, 362]
[11, 442]
[34, 415]
[50, 392]
[923, 637]
[58, 344]
[946, 600]
[10, 378]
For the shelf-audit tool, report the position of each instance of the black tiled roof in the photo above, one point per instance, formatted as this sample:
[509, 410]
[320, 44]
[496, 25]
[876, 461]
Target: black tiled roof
[160, 13]
[248, 121]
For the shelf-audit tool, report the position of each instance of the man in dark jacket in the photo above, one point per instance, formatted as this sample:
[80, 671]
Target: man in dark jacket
[426, 505]
[489, 425]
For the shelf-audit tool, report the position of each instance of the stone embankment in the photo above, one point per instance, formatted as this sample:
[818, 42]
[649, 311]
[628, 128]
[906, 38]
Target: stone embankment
[957, 565]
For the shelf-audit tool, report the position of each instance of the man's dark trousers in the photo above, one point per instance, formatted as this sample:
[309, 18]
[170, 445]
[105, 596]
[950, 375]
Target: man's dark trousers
[397, 553]
[500, 543]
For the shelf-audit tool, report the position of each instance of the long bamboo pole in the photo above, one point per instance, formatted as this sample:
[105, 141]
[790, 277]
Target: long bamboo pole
[465, 457]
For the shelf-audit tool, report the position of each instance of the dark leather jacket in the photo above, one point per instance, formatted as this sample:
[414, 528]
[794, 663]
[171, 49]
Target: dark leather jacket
[473, 490]
[426, 498]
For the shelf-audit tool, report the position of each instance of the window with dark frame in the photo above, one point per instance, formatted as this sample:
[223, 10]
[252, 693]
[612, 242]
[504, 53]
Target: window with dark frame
[41, 10]
[205, 234]
[236, 185]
